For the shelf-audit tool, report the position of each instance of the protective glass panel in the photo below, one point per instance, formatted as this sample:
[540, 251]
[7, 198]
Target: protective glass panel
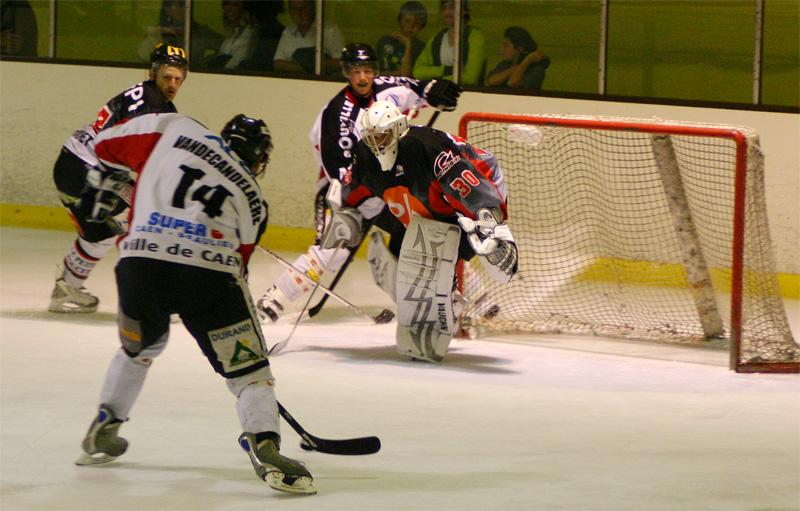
[566, 36]
[411, 39]
[681, 49]
[25, 28]
[780, 83]
[104, 31]
[235, 35]
[390, 27]
[295, 50]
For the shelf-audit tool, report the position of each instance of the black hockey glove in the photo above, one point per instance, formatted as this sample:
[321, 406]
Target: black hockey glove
[443, 94]
[107, 194]
[504, 257]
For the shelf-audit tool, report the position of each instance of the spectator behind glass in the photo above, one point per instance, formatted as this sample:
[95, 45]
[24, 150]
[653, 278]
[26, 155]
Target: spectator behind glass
[170, 32]
[295, 53]
[398, 52]
[19, 34]
[523, 65]
[242, 36]
[436, 60]
[265, 15]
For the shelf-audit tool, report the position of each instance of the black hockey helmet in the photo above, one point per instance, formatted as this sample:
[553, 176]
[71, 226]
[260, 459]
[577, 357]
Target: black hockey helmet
[165, 54]
[251, 140]
[358, 54]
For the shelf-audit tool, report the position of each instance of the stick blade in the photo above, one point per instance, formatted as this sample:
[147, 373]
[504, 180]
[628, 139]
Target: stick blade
[277, 347]
[349, 447]
[386, 316]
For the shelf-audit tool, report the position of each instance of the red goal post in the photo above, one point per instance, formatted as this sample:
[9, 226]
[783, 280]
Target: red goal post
[643, 229]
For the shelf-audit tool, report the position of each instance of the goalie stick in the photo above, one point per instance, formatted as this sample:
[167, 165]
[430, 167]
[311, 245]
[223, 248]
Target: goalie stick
[347, 447]
[313, 311]
[385, 315]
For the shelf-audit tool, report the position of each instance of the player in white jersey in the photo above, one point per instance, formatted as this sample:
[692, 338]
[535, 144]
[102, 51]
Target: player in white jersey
[168, 69]
[334, 136]
[196, 216]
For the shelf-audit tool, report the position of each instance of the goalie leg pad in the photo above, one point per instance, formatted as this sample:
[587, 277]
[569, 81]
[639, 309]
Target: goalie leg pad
[425, 272]
[382, 264]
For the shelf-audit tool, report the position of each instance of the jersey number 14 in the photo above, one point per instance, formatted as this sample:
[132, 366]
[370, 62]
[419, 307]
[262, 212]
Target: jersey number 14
[211, 197]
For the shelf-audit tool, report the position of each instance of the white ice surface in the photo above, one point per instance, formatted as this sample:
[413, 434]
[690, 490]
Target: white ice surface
[537, 423]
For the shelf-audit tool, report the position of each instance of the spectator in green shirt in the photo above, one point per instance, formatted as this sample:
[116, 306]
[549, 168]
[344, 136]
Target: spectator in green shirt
[436, 60]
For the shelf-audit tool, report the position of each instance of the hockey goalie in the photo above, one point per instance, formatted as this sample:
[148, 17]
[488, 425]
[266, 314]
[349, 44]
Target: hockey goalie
[439, 187]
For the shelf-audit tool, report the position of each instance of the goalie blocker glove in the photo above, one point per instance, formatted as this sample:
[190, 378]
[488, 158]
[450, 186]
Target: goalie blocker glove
[345, 229]
[443, 94]
[493, 241]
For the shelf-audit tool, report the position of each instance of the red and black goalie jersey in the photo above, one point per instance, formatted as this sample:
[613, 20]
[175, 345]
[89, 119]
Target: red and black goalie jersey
[436, 175]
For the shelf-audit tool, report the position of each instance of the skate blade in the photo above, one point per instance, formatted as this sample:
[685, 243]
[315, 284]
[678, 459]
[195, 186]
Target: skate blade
[81, 309]
[93, 459]
[301, 486]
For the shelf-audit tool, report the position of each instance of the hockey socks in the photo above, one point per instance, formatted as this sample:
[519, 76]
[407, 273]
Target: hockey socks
[81, 259]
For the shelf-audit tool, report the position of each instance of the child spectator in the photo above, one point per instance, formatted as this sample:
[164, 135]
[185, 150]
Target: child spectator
[398, 52]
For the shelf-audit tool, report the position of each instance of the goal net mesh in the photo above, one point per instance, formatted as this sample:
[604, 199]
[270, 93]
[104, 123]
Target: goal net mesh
[602, 243]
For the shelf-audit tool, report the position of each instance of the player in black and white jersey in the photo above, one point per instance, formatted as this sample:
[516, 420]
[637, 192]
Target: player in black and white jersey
[433, 182]
[196, 217]
[168, 69]
[334, 136]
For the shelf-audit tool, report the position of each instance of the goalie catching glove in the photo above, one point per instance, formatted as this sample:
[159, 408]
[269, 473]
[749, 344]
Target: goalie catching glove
[345, 229]
[493, 241]
[442, 94]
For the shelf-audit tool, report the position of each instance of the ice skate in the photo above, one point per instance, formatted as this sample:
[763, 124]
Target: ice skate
[270, 306]
[279, 472]
[101, 443]
[68, 298]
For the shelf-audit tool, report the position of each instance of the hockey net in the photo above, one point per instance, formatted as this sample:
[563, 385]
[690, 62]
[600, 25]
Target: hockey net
[643, 229]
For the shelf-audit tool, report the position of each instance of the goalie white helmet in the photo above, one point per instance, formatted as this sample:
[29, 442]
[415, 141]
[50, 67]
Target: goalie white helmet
[382, 127]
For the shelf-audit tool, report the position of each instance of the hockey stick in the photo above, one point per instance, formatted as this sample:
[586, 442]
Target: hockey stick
[385, 315]
[313, 311]
[348, 447]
